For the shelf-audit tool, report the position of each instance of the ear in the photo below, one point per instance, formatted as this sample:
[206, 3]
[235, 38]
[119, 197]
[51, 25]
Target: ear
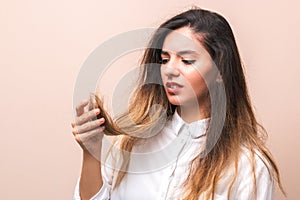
[219, 78]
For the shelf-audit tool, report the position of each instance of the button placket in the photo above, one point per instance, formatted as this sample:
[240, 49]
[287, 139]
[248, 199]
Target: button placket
[185, 137]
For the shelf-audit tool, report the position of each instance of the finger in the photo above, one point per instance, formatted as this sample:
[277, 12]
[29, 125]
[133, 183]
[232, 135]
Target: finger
[87, 116]
[83, 138]
[75, 131]
[73, 124]
[89, 126]
[80, 107]
[91, 103]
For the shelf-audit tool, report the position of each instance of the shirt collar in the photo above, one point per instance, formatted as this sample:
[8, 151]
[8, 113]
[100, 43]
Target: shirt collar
[196, 129]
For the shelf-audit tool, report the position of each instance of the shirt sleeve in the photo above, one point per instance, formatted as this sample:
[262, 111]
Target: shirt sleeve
[245, 183]
[107, 174]
[102, 194]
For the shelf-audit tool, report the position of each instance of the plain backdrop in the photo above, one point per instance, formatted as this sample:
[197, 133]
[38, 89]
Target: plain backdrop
[43, 45]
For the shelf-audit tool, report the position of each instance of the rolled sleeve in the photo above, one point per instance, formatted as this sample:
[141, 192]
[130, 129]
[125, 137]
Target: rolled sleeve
[102, 194]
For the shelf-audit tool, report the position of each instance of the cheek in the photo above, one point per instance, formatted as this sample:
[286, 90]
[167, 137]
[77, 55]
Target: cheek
[197, 83]
[204, 75]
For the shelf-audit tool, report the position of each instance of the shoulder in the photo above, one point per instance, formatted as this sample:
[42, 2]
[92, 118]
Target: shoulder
[250, 164]
[253, 160]
[254, 176]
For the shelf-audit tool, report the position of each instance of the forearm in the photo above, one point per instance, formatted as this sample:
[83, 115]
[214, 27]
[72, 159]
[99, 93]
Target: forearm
[91, 178]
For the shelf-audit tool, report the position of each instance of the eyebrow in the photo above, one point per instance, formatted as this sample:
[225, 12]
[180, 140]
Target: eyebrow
[180, 53]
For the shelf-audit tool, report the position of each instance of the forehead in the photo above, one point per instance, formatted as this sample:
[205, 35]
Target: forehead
[182, 39]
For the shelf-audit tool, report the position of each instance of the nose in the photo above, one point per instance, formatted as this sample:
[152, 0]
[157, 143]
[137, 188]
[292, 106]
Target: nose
[171, 69]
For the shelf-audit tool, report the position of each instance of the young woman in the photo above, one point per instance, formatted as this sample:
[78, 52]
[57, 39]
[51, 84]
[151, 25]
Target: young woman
[190, 131]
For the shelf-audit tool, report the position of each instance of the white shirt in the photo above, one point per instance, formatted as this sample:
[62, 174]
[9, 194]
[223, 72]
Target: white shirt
[159, 166]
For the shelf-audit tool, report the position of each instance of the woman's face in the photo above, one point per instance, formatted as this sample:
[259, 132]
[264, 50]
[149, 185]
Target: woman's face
[185, 69]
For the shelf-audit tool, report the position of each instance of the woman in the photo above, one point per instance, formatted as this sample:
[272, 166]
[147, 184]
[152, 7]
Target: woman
[192, 87]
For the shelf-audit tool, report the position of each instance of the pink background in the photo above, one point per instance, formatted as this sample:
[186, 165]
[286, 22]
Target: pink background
[44, 43]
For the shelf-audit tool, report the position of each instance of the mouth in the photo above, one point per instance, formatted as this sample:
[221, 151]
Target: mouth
[173, 87]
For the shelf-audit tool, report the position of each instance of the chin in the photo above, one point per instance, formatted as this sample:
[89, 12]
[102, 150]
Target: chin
[174, 100]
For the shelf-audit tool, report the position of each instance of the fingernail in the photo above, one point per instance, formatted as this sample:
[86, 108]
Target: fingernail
[97, 110]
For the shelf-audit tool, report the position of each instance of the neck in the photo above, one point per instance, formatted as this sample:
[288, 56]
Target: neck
[190, 114]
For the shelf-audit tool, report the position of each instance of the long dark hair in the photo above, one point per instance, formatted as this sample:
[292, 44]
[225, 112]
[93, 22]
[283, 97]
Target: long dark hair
[239, 128]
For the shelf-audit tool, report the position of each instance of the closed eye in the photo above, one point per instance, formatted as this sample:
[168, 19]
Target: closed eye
[188, 62]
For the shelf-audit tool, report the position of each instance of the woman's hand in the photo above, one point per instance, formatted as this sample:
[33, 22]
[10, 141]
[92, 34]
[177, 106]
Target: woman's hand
[88, 130]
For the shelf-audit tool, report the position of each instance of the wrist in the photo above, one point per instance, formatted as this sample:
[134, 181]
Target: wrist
[91, 156]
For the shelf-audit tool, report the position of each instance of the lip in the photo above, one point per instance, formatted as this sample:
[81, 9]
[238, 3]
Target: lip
[173, 87]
